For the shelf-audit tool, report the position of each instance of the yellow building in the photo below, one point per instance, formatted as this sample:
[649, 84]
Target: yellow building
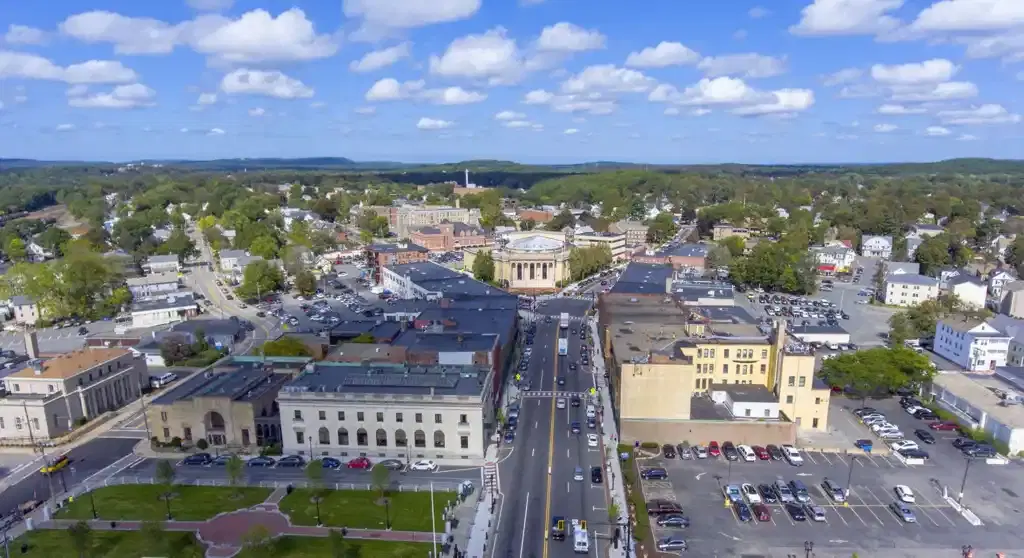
[699, 374]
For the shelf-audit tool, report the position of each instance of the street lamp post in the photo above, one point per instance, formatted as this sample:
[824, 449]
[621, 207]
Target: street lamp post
[849, 477]
[963, 483]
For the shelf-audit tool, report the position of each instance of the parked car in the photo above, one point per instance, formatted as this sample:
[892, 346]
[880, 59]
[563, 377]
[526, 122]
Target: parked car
[761, 453]
[796, 512]
[663, 507]
[291, 461]
[330, 463]
[743, 511]
[762, 513]
[903, 512]
[767, 493]
[684, 451]
[750, 493]
[360, 463]
[924, 436]
[944, 426]
[653, 473]
[667, 450]
[197, 459]
[596, 475]
[423, 465]
[817, 513]
[774, 452]
[834, 490]
[261, 461]
[673, 520]
[729, 451]
[393, 464]
[701, 452]
[671, 543]
[792, 455]
[905, 494]
[713, 449]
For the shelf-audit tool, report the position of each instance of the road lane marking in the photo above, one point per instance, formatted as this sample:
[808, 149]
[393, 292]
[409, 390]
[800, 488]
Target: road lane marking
[825, 457]
[937, 508]
[551, 456]
[526, 512]
[811, 459]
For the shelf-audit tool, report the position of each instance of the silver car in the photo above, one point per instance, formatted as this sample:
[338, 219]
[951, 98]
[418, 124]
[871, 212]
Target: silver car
[903, 512]
[670, 543]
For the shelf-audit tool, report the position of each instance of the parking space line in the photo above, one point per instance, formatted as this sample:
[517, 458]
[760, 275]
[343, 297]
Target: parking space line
[809, 458]
[825, 457]
[839, 457]
[867, 507]
[852, 509]
[835, 510]
[883, 505]
[937, 508]
[782, 507]
[871, 459]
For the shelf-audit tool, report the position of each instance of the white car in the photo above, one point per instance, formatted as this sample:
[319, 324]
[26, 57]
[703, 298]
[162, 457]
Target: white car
[792, 455]
[903, 445]
[560, 403]
[423, 465]
[879, 426]
[750, 493]
[701, 452]
[746, 453]
[905, 494]
[592, 440]
[891, 435]
[914, 408]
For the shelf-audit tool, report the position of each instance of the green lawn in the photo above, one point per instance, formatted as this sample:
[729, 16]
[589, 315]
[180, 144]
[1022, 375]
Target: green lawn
[314, 547]
[143, 502]
[410, 511]
[105, 544]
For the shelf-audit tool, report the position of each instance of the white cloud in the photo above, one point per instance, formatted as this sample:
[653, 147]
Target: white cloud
[608, 78]
[591, 103]
[663, 55]
[967, 137]
[566, 37]
[700, 112]
[672, 111]
[215, 132]
[383, 16]
[936, 70]
[786, 101]
[509, 115]
[31, 66]
[949, 91]
[65, 127]
[380, 58]
[210, 5]
[984, 114]
[24, 35]
[206, 99]
[717, 91]
[1009, 46]
[365, 110]
[734, 92]
[390, 89]
[846, 75]
[516, 124]
[258, 111]
[746, 65]
[757, 12]
[538, 97]
[847, 17]
[885, 128]
[433, 124]
[256, 36]
[491, 55]
[937, 131]
[453, 96]
[267, 83]
[77, 90]
[900, 110]
[571, 131]
[969, 15]
[123, 96]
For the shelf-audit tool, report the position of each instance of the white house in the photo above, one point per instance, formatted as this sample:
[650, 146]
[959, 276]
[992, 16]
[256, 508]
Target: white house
[913, 243]
[37, 253]
[997, 280]
[972, 344]
[908, 289]
[876, 247]
[164, 310]
[163, 264]
[1014, 328]
[899, 268]
[839, 256]
[969, 289]
[152, 285]
[924, 230]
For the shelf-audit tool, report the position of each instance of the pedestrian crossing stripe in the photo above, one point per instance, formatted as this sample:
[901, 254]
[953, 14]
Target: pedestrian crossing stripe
[553, 394]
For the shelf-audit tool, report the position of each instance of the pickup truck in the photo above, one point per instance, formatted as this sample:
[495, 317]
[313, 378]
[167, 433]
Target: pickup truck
[558, 528]
[27, 507]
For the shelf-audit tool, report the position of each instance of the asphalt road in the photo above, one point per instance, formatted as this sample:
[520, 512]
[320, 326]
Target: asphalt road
[86, 460]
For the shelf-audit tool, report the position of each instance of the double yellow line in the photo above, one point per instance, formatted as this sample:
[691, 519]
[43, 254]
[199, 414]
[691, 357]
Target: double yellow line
[551, 446]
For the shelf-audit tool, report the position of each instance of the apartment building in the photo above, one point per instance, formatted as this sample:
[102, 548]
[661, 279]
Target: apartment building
[379, 256]
[405, 219]
[616, 242]
[635, 231]
[448, 236]
[876, 246]
[721, 231]
[162, 264]
[972, 343]
[154, 284]
[909, 289]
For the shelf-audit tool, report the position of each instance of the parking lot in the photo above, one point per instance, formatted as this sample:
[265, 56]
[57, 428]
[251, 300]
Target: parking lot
[54, 340]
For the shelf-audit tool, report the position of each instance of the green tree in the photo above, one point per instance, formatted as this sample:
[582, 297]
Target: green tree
[527, 225]
[235, 469]
[661, 228]
[735, 245]
[718, 256]
[337, 543]
[54, 239]
[365, 237]
[584, 262]
[181, 245]
[380, 478]
[81, 538]
[165, 474]
[483, 266]
[315, 478]
[206, 222]
[561, 220]
[260, 278]
[305, 283]
[285, 346]
[258, 543]
[265, 246]
[941, 250]
[881, 370]
[15, 249]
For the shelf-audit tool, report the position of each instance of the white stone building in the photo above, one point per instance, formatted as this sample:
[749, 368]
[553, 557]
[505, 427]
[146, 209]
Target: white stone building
[876, 247]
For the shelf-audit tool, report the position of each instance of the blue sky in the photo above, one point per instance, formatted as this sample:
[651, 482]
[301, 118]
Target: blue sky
[780, 81]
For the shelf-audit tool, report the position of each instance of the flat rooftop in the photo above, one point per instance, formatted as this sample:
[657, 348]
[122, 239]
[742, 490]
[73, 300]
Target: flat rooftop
[239, 379]
[424, 271]
[392, 379]
[640, 325]
[746, 393]
[68, 365]
[980, 391]
[640, 278]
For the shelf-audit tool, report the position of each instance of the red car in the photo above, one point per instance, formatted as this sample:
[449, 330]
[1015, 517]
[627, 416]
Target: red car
[761, 453]
[761, 513]
[360, 463]
[713, 450]
[944, 425]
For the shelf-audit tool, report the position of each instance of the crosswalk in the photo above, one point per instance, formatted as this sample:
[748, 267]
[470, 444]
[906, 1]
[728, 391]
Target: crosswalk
[545, 394]
[490, 477]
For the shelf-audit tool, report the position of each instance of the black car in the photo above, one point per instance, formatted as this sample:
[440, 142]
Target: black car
[729, 451]
[673, 520]
[980, 450]
[963, 443]
[774, 452]
[907, 402]
[330, 463]
[291, 461]
[663, 507]
[796, 512]
[926, 414]
[575, 401]
[261, 461]
[197, 459]
[575, 427]
[743, 511]
[925, 436]
[653, 473]
[221, 460]
[596, 475]
[668, 451]
[767, 493]
[561, 381]
[914, 453]
[572, 366]
[83, 330]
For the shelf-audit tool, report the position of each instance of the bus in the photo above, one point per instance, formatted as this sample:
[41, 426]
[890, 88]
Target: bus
[563, 346]
[565, 320]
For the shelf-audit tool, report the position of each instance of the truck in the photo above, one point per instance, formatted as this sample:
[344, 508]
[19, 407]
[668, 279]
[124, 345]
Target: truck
[580, 539]
[558, 528]
[563, 346]
[564, 323]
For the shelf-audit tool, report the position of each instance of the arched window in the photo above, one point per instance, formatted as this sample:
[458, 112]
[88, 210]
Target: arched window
[361, 438]
[382, 438]
[325, 436]
[532, 274]
[342, 437]
[438, 439]
[400, 440]
[419, 439]
[544, 271]
[519, 272]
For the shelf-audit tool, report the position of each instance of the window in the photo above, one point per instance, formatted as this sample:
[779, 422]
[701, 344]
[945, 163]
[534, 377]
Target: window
[725, 369]
[382, 438]
[298, 414]
[188, 434]
[437, 418]
[342, 437]
[463, 419]
[438, 439]
[380, 417]
[814, 423]
[725, 353]
[49, 387]
[167, 432]
[419, 417]
[361, 438]
[464, 442]
[817, 401]
[341, 415]
[35, 423]
[698, 384]
[359, 416]
[17, 387]
[322, 415]
[803, 381]
[789, 399]
[324, 436]
[746, 412]
[767, 413]
[419, 439]
[163, 416]
[792, 381]
[300, 437]
[398, 417]
[764, 353]
[764, 368]
[1, 423]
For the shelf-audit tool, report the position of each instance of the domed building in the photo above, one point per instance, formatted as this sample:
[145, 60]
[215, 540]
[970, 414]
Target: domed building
[527, 261]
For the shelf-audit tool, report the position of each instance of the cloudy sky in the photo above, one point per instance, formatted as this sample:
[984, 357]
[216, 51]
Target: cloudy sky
[660, 81]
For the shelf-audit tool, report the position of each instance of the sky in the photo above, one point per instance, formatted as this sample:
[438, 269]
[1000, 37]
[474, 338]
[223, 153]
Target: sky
[533, 81]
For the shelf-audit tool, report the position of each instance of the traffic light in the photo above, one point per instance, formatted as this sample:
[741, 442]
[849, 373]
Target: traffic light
[583, 524]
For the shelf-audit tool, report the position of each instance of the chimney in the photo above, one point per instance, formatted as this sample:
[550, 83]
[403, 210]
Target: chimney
[31, 345]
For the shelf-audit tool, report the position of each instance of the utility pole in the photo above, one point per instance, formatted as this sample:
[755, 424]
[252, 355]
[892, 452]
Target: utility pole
[42, 448]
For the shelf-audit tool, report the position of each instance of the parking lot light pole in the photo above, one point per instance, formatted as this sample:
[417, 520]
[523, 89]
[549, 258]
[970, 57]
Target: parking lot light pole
[808, 548]
[849, 479]
[963, 483]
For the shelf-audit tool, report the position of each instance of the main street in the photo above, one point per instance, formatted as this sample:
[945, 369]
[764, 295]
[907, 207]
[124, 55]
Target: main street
[538, 475]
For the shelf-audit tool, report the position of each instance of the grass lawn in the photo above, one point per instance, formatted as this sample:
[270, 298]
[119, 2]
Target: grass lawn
[143, 502]
[410, 511]
[314, 547]
[105, 544]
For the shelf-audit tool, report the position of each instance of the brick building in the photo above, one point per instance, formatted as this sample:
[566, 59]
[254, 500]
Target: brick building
[448, 236]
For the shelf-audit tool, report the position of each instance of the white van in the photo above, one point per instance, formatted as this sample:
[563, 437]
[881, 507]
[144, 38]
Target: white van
[591, 411]
[162, 380]
[746, 453]
[580, 539]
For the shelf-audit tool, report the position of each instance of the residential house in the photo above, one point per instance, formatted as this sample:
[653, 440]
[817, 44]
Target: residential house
[162, 234]
[946, 274]
[925, 230]
[969, 289]
[229, 259]
[36, 252]
[635, 231]
[162, 264]
[721, 231]
[909, 289]
[25, 310]
[876, 246]
[971, 343]
[153, 284]
[913, 243]
[1001, 245]
[999, 278]
[1011, 302]
[899, 268]
[163, 310]
[840, 258]
[291, 215]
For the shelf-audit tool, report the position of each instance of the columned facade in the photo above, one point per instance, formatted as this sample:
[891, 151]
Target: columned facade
[529, 261]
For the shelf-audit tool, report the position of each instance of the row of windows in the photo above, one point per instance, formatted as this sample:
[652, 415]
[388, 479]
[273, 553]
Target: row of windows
[19, 424]
[741, 369]
[399, 417]
[792, 381]
[380, 437]
[741, 354]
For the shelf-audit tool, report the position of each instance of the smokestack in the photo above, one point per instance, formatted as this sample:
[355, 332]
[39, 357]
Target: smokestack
[31, 345]
[467, 178]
